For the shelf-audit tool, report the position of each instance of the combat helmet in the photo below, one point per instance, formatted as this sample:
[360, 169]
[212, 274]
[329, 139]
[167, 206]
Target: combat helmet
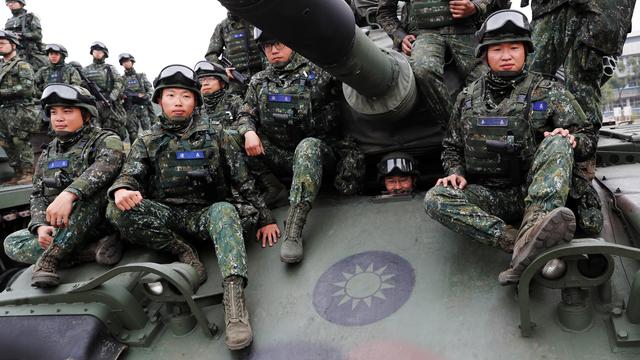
[126, 56]
[56, 48]
[58, 94]
[9, 35]
[97, 45]
[397, 163]
[177, 76]
[205, 68]
[504, 26]
[23, 2]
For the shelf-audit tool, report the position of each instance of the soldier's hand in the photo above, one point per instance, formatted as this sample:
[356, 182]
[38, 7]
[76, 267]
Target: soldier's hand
[127, 199]
[564, 133]
[268, 234]
[407, 44]
[456, 181]
[229, 73]
[45, 235]
[252, 144]
[462, 8]
[59, 210]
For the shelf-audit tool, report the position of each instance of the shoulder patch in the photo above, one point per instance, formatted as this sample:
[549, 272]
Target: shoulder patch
[546, 84]
[540, 106]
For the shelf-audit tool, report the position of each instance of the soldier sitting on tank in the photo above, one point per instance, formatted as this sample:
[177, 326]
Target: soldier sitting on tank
[509, 150]
[174, 188]
[137, 97]
[57, 71]
[288, 122]
[398, 172]
[27, 26]
[435, 27]
[68, 200]
[220, 106]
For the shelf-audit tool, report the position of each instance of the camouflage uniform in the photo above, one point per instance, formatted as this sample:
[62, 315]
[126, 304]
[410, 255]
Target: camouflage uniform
[222, 107]
[186, 182]
[56, 73]
[576, 35]
[233, 38]
[493, 197]
[107, 78]
[85, 166]
[436, 32]
[138, 109]
[294, 110]
[18, 112]
[27, 25]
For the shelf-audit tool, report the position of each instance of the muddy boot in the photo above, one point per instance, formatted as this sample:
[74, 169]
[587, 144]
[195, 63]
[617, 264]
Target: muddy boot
[186, 254]
[275, 194]
[291, 250]
[45, 271]
[507, 239]
[238, 334]
[108, 250]
[539, 232]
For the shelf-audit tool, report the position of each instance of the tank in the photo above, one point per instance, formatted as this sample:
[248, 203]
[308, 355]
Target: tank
[380, 280]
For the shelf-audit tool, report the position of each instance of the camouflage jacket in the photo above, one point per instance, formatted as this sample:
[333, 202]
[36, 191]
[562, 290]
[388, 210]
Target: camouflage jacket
[107, 78]
[99, 155]
[291, 103]
[27, 25]
[222, 108]
[196, 167]
[234, 38]
[136, 83]
[388, 18]
[16, 82]
[548, 106]
[56, 73]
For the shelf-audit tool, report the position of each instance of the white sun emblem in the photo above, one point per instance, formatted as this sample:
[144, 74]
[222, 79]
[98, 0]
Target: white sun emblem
[363, 286]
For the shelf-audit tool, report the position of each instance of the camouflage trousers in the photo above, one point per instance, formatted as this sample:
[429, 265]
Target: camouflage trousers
[428, 60]
[86, 224]
[157, 225]
[16, 122]
[137, 118]
[305, 166]
[482, 212]
[113, 117]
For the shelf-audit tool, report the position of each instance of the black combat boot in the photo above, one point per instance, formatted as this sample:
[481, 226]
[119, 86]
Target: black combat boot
[238, 333]
[539, 231]
[108, 250]
[291, 249]
[45, 271]
[186, 254]
[275, 194]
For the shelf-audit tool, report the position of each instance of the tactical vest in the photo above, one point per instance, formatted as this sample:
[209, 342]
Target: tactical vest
[133, 83]
[61, 169]
[183, 169]
[509, 123]
[221, 114]
[240, 48]
[102, 75]
[21, 24]
[429, 14]
[56, 75]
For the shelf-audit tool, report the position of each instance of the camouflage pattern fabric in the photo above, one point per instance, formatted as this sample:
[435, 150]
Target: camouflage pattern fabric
[27, 25]
[222, 107]
[233, 38]
[18, 113]
[107, 78]
[154, 224]
[56, 73]
[138, 109]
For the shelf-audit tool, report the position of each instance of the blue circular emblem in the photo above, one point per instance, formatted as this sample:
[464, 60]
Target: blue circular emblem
[363, 288]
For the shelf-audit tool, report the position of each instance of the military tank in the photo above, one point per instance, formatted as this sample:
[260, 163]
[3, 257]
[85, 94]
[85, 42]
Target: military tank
[380, 280]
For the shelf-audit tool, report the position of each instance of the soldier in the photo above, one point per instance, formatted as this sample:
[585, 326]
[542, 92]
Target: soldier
[105, 83]
[577, 35]
[220, 105]
[398, 172]
[433, 28]
[513, 138]
[137, 97]
[68, 199]
[175, 184]
[27, 26]
[18, 113]
[288, 123]
[57, 71]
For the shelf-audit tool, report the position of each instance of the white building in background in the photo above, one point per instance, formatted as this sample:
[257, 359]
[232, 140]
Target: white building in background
[629, 104]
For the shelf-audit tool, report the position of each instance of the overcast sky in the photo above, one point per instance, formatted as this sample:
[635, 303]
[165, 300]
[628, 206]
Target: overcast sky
[157, 33]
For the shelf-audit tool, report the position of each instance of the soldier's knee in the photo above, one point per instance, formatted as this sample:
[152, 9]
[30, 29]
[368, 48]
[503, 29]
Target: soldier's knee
[13, 242]
[434, 197]
[114, 215]
[222, 210]
[556, 145]
[308, 145]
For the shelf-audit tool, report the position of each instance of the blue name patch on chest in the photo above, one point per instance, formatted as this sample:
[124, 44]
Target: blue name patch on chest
[493, 121]
[540, 106]
[189, 155]
[279, 98]
[238, 36]
[58, 164]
